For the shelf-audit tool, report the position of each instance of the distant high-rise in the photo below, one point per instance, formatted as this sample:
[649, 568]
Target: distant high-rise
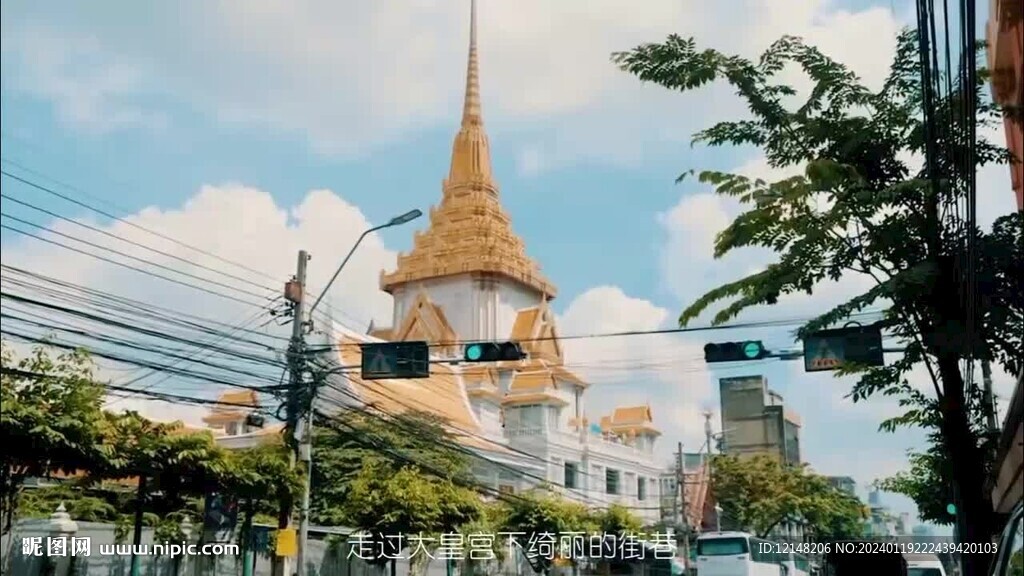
[756, 421]
[844, 484]
[922, 530]
[874, 499]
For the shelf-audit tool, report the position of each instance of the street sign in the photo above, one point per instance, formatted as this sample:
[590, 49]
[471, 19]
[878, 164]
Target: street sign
[829, 349]
[287, 542]
[395, 360]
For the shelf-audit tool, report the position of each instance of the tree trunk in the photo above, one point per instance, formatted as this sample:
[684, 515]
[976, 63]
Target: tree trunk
[974, 515]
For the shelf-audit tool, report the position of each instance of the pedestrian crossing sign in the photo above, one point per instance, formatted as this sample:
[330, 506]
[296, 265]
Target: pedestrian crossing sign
[400, 360]
[831, 349]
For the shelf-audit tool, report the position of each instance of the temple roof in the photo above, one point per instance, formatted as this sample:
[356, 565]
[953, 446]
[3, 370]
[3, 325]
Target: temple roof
[469, 231]
[629, 419]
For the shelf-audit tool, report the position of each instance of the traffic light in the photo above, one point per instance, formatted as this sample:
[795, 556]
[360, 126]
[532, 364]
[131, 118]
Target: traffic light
[494, 352]
[734, 351]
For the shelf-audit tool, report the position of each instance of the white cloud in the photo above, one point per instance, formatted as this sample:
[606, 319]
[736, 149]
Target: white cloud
[239, 225]
[347, 76]
[665, 371]
[263, 246]
[100, 97]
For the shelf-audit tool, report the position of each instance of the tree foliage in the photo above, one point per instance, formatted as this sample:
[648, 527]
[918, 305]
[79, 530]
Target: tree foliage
[356, 438]
[861, 207]
[759, 493]
[388, 503]
[617, 520]
[927, 482]
[174, 462]
[53, 422]
[50, 416]
[541, 515]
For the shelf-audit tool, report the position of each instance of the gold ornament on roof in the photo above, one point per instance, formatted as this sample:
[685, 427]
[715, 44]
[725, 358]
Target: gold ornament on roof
[469, 231]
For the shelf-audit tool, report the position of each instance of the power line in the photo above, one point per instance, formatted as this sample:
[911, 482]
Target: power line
[129, 256]
[48, 190]
[127, 241]
[628, 333]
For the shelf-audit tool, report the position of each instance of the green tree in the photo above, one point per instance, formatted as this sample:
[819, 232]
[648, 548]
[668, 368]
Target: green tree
[758, 493]
[484, 529]
[50, 417]
[81, 503]
[859, 208]
[354, 438]
[926, 482]
[406, 502]
[262, 474]
[617, 520]
[540, 516]
[170, 461]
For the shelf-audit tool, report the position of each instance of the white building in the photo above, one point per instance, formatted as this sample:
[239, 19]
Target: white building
[468, 278]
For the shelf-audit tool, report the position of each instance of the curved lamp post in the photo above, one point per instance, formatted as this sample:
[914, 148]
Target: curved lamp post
[307, 434]
[396, 221]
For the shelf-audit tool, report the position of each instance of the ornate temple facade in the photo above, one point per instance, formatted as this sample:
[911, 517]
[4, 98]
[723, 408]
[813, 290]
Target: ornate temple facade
[468, 278]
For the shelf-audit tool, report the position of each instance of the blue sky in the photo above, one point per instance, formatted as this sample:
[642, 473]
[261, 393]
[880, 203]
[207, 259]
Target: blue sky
[141, 107]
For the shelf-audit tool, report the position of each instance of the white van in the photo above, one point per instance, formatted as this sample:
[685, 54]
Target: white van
[737, 554]
[924, 565]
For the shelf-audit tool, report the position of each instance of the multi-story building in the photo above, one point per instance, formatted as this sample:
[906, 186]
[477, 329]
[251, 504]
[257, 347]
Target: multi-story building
[881, 521]
[843, 483]
[694, 470]
[1005, 36]
[468, 278]
[756, 421]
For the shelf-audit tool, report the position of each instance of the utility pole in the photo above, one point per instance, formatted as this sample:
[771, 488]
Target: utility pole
[708, 434]
[683, 519]
[295, 291]
[306, 456]
[989, 398]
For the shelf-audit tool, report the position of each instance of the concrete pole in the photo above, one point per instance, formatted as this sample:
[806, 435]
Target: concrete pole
[684, 517]
[296, 365]
[990, 401]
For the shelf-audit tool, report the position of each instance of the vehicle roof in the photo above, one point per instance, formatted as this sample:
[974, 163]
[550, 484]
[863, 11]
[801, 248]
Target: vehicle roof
[713, 535]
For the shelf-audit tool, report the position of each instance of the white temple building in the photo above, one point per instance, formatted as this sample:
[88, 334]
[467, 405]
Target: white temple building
[468, 278]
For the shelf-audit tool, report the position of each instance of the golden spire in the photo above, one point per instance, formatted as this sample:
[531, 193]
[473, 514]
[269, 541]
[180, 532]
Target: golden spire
[471, 111]
[469, 233]
[471, 153]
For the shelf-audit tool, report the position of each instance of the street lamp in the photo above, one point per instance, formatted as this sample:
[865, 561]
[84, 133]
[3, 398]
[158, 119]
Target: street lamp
[306, 448]
[396, 221]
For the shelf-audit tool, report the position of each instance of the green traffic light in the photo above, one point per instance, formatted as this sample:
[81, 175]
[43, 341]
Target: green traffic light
[951, 509]
[752, 349]
[474, 352]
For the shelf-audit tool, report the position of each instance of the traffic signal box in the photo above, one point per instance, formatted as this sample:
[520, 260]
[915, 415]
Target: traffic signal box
[494, 352]
[734, 351]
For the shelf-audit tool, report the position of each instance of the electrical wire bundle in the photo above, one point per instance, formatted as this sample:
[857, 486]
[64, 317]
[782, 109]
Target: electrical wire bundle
[153, 346]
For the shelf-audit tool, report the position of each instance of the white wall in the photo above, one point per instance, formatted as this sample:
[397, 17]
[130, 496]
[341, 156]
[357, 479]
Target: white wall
[477, 310]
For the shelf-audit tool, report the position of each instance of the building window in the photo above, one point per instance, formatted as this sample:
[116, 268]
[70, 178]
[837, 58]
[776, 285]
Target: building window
[232, 429]
[641, 488]
[611, 481]
[531, 416]
[571, 470]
